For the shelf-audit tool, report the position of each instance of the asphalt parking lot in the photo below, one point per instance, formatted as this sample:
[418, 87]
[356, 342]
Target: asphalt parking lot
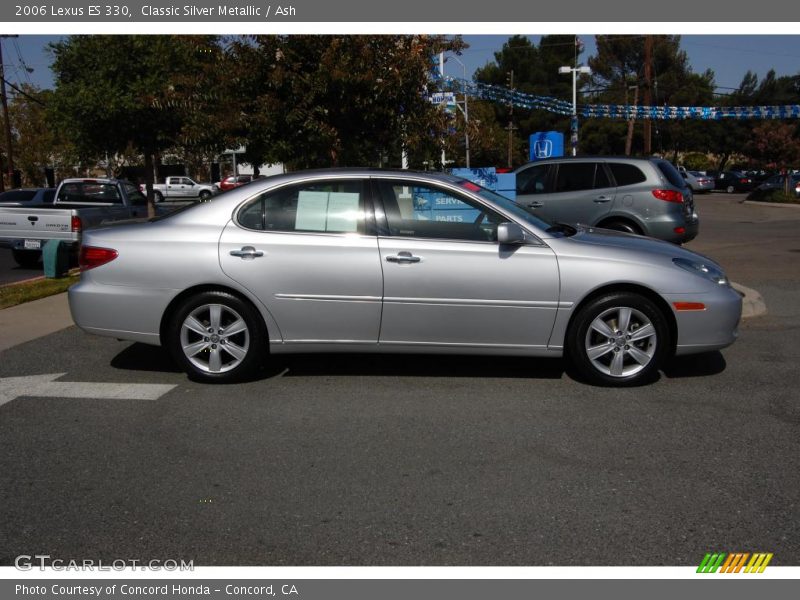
[421, 460]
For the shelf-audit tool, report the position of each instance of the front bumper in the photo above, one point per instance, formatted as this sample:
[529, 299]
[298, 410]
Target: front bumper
[714, 327]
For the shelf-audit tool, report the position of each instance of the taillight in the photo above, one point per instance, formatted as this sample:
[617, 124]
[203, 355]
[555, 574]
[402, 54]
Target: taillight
[76, 224]
[92, 256]
[669, 196]
[744, 181]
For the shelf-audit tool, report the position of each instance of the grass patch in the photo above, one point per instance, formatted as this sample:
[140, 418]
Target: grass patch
[18, 293]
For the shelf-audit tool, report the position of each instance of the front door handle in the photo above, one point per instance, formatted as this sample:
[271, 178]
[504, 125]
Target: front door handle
[247, 253]
[403, 257]
[602, 199]
[535, 205]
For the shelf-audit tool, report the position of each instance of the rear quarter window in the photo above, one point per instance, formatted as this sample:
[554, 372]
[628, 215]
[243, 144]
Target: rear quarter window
[626, 174]
[670, 173]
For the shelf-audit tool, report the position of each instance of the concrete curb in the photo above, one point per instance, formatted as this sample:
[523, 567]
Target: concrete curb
[773, 204]
[753, 304]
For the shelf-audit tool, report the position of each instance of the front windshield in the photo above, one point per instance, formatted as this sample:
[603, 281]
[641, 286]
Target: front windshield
[506, 204]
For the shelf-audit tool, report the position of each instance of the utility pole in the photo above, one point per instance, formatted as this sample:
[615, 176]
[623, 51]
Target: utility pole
[9, 151]
[648, 91]
[631, 119]
[510, 126]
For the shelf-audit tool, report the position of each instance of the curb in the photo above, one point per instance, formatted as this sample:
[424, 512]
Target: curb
[753, 304]
[773, 204]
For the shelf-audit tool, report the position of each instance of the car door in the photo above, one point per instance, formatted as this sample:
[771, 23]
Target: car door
[581, 193]
[448, 282]
[310, 255]
[533, 183]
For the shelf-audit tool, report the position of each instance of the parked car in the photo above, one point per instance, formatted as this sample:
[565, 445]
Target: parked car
[367, 260]
[698, 182]
[635, 195]
[234, 181]
[733, 181]
[181, 188]
[776, 184]
[78, 204]
[22, 196]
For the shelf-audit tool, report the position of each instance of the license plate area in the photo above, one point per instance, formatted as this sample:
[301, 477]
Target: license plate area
[32, 244]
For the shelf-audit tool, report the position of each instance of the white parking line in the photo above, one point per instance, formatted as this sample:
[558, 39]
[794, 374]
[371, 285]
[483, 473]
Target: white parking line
[45, 386]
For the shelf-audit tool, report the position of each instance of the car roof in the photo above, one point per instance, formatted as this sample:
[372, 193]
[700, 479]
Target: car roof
[363, 172]
[632, 159]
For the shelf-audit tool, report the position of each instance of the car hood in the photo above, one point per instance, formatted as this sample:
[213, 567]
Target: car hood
[589, 241]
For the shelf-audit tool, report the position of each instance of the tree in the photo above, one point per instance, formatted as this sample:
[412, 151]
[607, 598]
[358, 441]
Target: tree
[535, 70]
[618, 67]
[322, 100]
[149, 93]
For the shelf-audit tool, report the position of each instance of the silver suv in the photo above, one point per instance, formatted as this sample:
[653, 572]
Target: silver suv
[636, 195]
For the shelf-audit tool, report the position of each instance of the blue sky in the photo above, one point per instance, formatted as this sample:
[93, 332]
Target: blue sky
[729, 56]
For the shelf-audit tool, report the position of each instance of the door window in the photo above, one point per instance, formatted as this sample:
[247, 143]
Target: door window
[320, 207]
[421, 211]
[533, 180]
[575, 177]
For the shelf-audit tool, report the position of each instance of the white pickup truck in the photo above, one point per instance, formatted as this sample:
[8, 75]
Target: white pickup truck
[181, 188]
[78, 204]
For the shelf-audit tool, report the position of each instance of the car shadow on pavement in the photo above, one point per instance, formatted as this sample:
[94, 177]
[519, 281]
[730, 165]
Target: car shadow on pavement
[695, 365]
[415, 365]
[142, 357]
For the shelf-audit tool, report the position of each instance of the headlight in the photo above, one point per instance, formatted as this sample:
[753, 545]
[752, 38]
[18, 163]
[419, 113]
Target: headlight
[707, 271]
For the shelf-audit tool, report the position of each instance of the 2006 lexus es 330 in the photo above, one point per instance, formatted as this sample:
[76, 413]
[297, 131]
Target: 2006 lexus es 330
[395, 261]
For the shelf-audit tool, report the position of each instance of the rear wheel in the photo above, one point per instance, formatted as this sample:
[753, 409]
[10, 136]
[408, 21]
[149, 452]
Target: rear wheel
[217, 337]
[28, 259]
[620, 339]
[730, 189]
[620, 225]
[205, 195]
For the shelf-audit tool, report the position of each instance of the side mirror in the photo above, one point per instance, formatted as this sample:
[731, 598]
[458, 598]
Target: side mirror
[510, 233]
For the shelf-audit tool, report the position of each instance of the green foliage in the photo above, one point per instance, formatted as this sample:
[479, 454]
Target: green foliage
[321, 100]
[696, 161]
[535, 72]
[148, 92]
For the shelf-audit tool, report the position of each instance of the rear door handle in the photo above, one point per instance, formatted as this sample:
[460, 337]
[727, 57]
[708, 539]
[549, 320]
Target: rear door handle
[247, 253]
[403, 257]
[601, 199]
[535, 205]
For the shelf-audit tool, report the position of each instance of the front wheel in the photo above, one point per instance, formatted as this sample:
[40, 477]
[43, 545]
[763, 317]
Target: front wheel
[620, 339]
[158, 196]
[217, 337]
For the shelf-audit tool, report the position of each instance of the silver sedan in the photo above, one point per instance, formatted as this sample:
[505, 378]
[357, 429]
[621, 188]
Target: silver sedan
[359, 260]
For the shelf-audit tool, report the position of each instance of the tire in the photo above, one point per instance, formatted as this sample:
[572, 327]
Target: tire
[199, 340]
[205, 195]
[158, 196]
[625, 226]
[28, 259]
[730, 189]
[595, 342]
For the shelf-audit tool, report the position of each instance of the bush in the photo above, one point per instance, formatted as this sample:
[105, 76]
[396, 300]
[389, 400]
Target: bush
[696, 161]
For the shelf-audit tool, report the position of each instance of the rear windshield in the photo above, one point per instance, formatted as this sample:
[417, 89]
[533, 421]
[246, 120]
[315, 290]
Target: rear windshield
[17, 195]
[671, 173]
[94, 192]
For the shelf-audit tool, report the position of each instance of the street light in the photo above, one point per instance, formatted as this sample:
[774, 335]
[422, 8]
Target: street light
[574, 121]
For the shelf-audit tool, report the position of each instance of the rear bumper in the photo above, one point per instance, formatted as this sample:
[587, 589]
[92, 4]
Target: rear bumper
[122, 312]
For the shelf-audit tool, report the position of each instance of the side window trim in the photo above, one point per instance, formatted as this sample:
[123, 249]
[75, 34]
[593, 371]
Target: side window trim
[382, 219]
[369, 214]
